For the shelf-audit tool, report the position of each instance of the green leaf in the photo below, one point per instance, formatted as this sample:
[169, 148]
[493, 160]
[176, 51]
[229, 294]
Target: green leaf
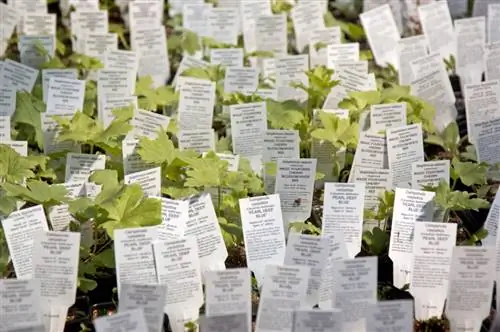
[151, 98]
[206, 172]
[284, 115]
[470, 173]
[435, 140]
[14, 167]
[106, 258]
[86, 285]
[130, 209]
[232, 233]
[28, 111]
[37, 192]
[190, 42]
[377, 240]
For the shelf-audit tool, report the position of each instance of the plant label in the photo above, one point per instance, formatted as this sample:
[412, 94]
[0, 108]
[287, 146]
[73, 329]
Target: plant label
[248, 126]
[199, 140]
[178, 267]
[134, 255]
[290, 70]
[186, 63]
[149, 298]
[471, 38]
[130, 321]
[174, 215]
[435, 88]
[349, 81]
[149, 180]
[295, 185]
[97, 45]
[429, 173]
[51, 130]
[203, 225]
[18, 76]
[55, 263]
[316, 320]
[196, 103]
[387, 116]
[122, 60]
[7, 101]
[409, 206]
[59, 215]
[410, 48]
[65, 96]
[306, 17]
[47, 74]
[492, 222]
[20, 147]
[285, 289]
[371, 151]
[376, 182]
[250, 10]
[224, 323]
[79, 166]
[325, 36]
[195, 18]
[438, 28]
[244, 80]
[382, 33]
[114, 83]
[228, 293]
[108, 104]
[487, 145]
[151, 48]
[36, 50]
[4, 128]
[405, 146]
[149, 124]
[224, 24]
[355, 290]
[21, 303]
[492, 61]
[336, 251]
[20, 228]
[493, 23]
[271, 34]
[227, 57]
[310, 251]
[482, 103]
[343, 211]
[132, 162]
[87, 22]
[267, 93]
[471, 274]
[279, 144]
[342, 53]
[357, 66]
[145, 14]
[394, 315]
[39, 24]
[432, 250]
[263, 232]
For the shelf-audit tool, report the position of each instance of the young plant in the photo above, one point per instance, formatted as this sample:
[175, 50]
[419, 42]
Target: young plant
[376, 241]
[340, 133]
[320, 84]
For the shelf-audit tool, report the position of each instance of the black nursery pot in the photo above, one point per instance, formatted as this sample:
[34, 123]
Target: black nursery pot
[104, 291]
[78, 314]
